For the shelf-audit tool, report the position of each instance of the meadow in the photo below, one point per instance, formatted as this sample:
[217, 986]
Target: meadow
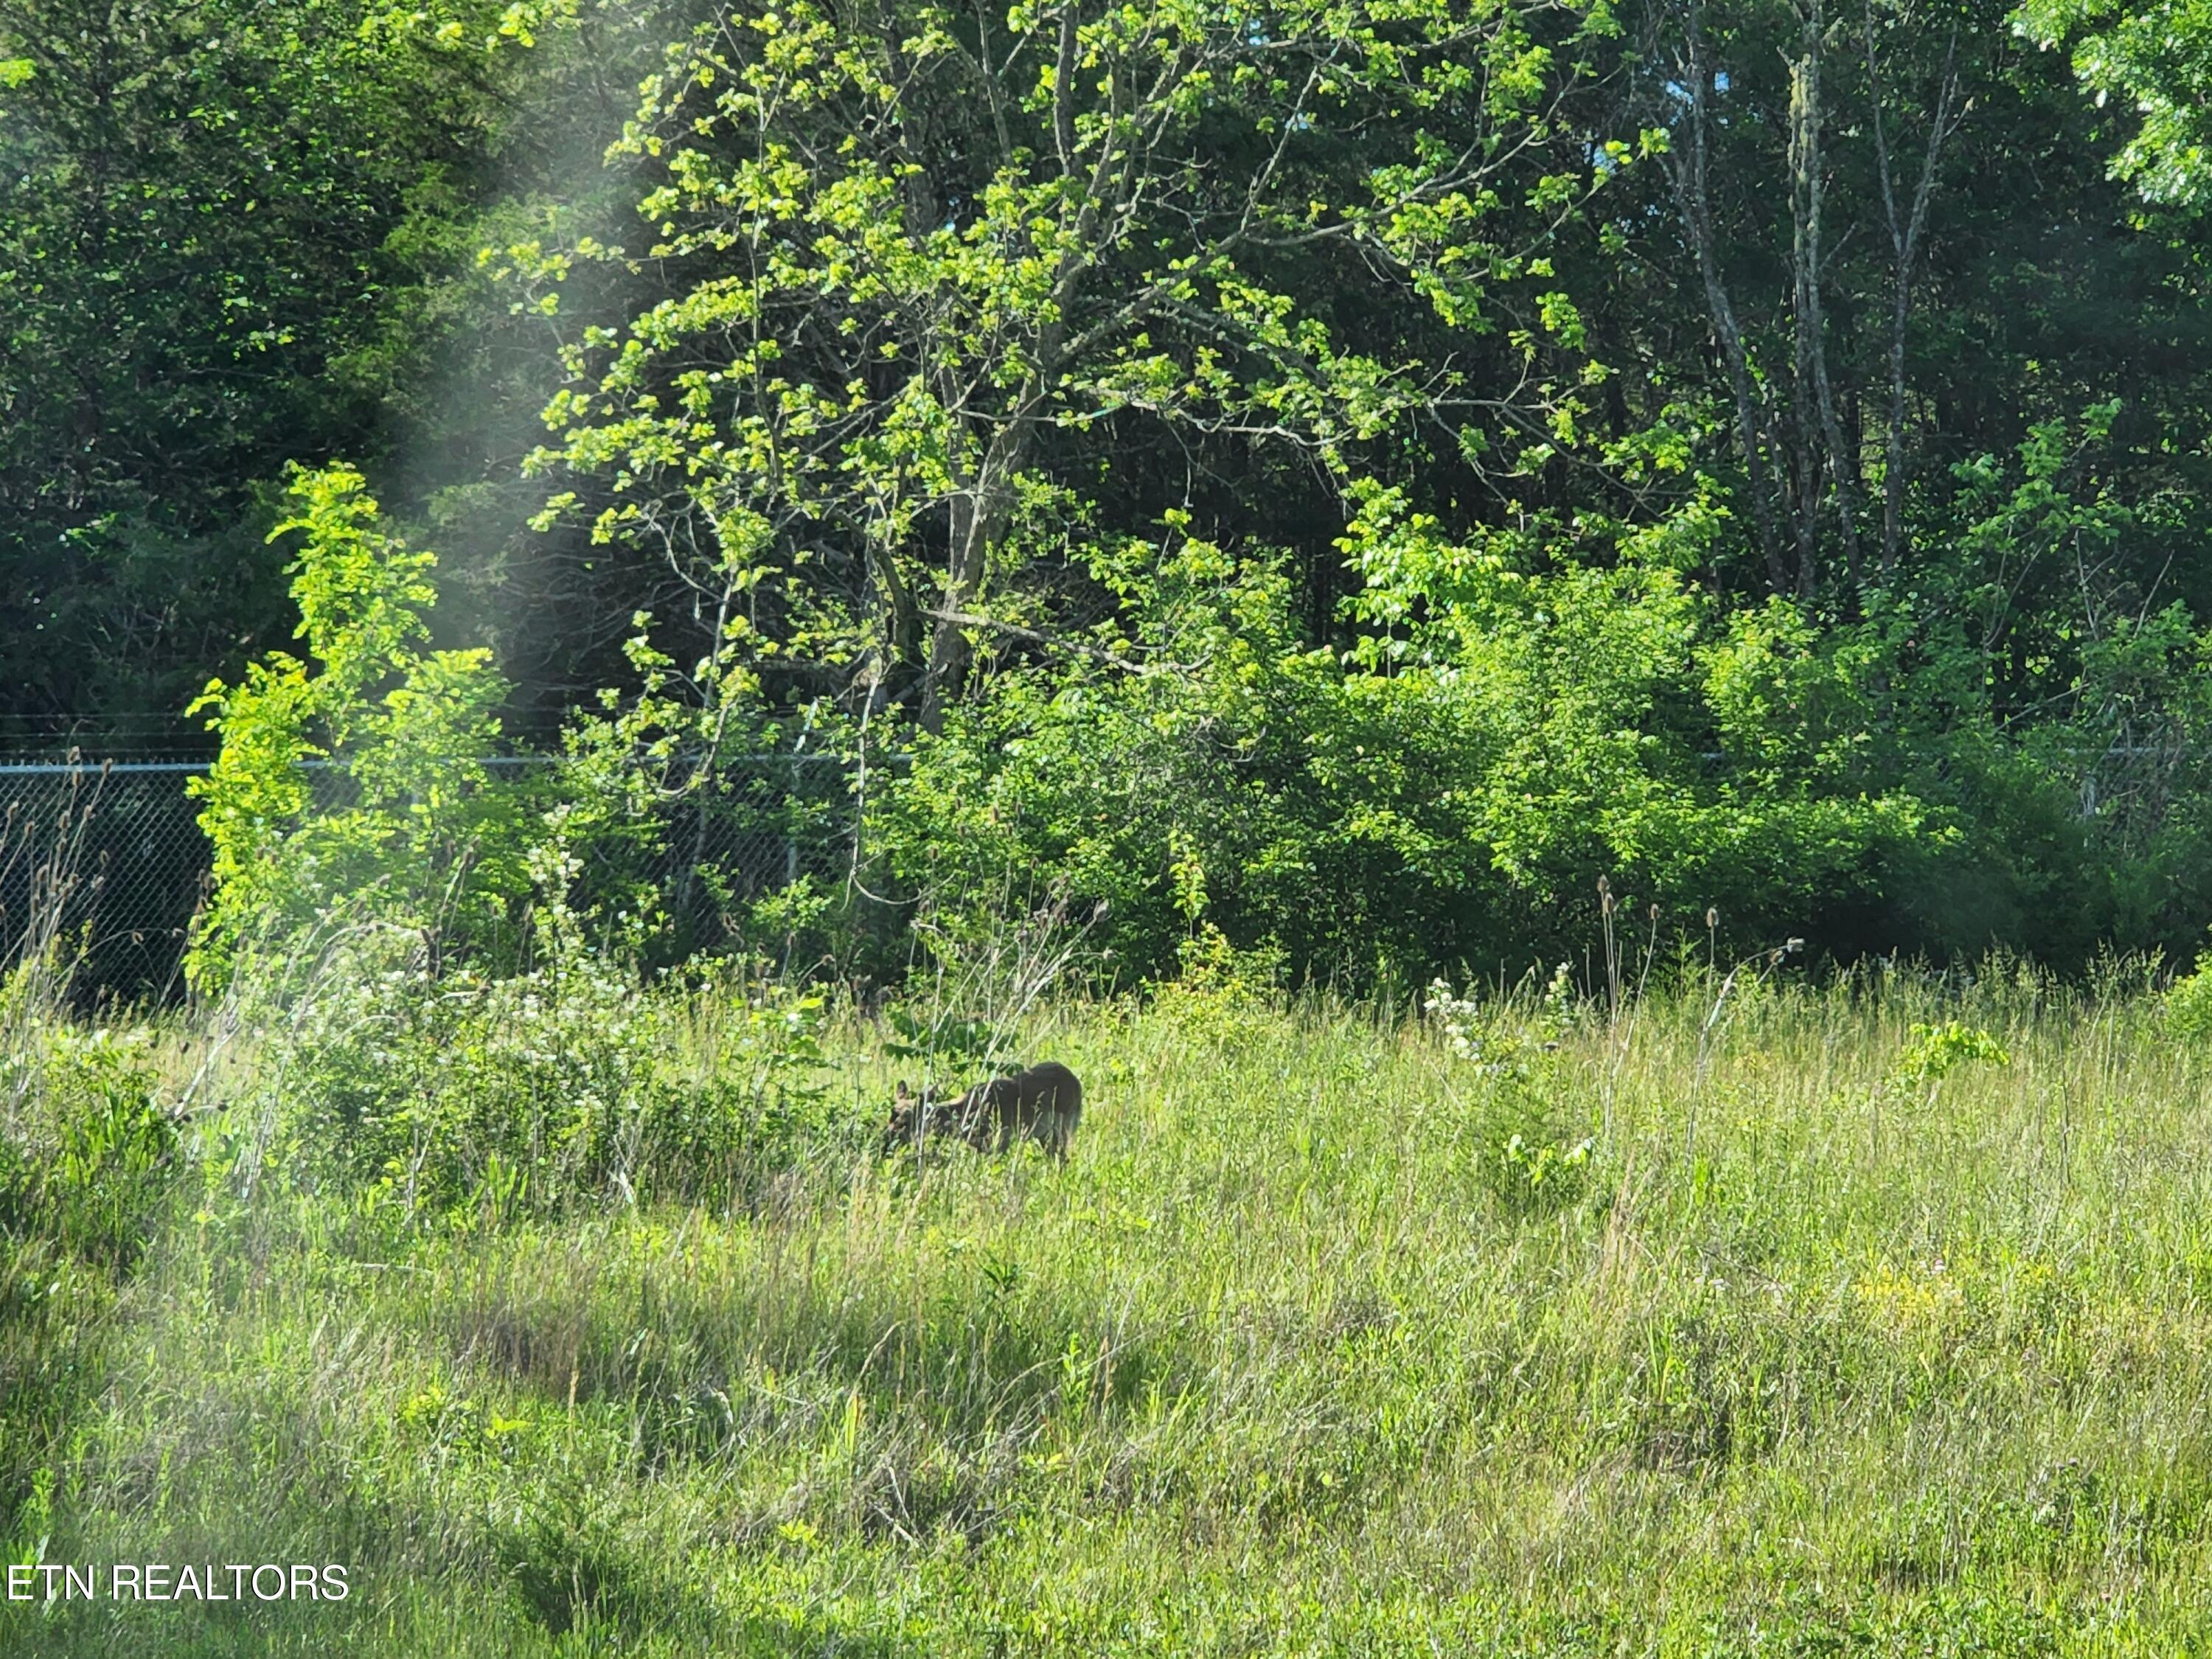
[588, 585]
[1863, 1317]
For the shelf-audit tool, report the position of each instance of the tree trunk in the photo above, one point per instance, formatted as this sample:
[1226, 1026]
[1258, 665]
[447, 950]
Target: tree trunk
[978, 521]
[1690, 185]
[1814, 395]
[1904, 231]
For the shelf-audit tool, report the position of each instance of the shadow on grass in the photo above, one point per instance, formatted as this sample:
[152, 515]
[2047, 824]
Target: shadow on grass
[703, 1366]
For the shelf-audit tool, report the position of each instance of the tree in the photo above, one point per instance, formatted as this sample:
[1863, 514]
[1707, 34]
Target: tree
[930, 271]
[234, 235]
[2158, 59]
[1899, 252]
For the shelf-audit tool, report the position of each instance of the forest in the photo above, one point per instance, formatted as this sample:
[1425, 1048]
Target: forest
[1429, 455]
[1563, 646]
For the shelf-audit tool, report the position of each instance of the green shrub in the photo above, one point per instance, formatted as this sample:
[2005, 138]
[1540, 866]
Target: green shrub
[2186, 1008]
[1416, 807]
[1933, 1051]
[1532, 1178]
[410, 826]
[456, 1095]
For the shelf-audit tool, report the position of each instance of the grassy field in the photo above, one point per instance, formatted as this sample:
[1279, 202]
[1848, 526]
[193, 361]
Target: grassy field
[1846, 1331]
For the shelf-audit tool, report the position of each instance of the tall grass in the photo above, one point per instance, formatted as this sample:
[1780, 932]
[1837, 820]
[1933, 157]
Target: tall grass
[1821, 1348]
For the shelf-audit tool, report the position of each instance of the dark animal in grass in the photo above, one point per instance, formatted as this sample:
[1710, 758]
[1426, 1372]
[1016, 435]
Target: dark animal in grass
[1045, 1102]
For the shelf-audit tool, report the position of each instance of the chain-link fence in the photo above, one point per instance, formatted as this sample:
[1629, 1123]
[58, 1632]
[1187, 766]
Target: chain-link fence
[112, 851]
[108, 852]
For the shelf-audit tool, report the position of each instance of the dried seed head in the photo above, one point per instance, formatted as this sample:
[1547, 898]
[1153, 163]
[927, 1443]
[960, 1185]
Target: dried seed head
[1712, 918]
[1655, 910]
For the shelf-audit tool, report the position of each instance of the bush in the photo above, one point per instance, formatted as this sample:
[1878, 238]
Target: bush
[409, 825]
[1499, 719]
[2188, 1005]
[1379, 821]
[459, 1095]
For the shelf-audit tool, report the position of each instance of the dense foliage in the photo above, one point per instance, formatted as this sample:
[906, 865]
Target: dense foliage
[1195, 458]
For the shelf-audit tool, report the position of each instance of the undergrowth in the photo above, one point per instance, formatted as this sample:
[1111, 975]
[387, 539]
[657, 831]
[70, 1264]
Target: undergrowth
[1870, 1318]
